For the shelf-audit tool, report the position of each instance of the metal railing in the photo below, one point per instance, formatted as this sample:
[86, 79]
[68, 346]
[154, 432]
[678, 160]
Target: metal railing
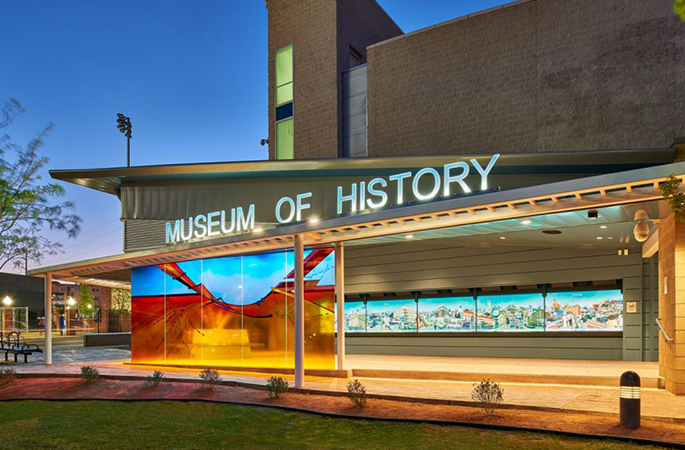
[663, 332]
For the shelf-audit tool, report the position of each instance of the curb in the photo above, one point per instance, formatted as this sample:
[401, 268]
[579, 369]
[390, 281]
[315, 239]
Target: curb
[445, 423]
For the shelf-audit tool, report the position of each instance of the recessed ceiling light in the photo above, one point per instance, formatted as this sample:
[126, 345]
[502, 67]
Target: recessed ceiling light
[526, 222]
[502, 237]
[599, 238]
[258, 230]
[314, 220]
[409, 236]
[603, 227]
[610, 238]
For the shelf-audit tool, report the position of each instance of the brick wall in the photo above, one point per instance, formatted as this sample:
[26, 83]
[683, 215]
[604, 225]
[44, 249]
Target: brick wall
[321, 32]
[310, 26]
[672, 303]
[533, 76]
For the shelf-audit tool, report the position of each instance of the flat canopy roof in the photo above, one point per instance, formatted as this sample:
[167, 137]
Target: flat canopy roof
[632, 186]
[109, 180]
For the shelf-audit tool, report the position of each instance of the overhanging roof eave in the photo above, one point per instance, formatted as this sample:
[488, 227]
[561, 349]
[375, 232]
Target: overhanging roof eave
[597, 187]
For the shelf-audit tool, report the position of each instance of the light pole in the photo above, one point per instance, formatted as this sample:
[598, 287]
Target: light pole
[125, 127]
[70, 302]
[7, 301]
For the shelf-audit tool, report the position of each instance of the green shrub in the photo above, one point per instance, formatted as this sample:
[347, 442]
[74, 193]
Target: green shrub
[276, 387]
[7, 375]
[154, 379]
[356, 392]
[89, 374]
[210, 378]
[488, 395]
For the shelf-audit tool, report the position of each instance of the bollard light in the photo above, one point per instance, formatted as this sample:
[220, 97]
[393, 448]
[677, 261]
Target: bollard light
[630, 400]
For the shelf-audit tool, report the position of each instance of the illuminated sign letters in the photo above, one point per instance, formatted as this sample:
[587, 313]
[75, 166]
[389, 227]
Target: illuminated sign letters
[424, 185]
[212, 224]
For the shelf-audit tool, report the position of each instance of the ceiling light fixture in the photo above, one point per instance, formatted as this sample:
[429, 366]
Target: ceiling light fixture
[526, 222]
[409, 236]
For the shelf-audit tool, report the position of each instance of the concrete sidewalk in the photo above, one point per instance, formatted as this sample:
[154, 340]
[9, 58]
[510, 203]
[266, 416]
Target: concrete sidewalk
[656, 403]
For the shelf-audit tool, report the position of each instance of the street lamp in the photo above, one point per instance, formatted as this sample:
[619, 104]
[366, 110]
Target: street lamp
[125, 127]
[70, 302]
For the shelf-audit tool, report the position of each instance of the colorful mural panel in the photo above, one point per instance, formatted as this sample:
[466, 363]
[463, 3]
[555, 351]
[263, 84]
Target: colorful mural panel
[390, 316]
[447, 314]
[233, 311]
[515, 312]
[587, 310]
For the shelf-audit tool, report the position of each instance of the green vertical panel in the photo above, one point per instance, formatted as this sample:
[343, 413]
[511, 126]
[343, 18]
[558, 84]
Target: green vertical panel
[284, 75]
[284, 139]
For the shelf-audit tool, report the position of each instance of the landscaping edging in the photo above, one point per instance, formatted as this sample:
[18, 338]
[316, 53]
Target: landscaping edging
[396, 398]
[448, 423]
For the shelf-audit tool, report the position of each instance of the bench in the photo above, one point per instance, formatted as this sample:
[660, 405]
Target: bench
[14, 343]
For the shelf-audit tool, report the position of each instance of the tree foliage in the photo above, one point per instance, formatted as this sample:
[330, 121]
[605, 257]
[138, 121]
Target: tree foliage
[27, 204]
[679, 9]
[86, 301]
[670, 189]
[121, 301]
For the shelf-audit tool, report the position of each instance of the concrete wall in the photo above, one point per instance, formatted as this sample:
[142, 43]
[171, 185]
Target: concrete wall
[440, 264]
[532, 76]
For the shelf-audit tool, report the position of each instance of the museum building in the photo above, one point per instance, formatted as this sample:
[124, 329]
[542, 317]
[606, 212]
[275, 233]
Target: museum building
[488, 186]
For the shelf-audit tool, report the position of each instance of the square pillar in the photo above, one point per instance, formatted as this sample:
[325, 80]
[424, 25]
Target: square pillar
[672, 303]
[340, 304]
[299, 311]
[48, 318]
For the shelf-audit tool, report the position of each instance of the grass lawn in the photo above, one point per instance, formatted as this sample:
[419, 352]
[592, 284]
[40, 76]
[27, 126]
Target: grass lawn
[156, 425]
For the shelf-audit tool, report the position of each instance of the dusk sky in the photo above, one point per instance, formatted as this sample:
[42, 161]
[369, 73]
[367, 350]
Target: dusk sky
[192, 75]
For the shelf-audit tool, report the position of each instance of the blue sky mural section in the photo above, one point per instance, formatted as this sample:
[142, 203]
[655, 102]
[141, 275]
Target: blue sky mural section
[236, 279]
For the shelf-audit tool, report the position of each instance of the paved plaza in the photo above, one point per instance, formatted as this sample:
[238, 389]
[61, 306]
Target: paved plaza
[599, 399]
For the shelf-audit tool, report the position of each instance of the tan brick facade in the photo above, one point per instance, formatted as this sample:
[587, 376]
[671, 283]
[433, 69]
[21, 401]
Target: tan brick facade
[321, 32]
[672, 303]
[534, 76]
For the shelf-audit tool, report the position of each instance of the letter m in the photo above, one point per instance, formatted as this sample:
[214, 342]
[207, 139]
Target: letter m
[245, 223]
[173, 234]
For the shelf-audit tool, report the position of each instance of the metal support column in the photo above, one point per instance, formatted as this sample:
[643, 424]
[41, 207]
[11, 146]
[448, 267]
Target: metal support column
[48, 318]
[340, 303]
[299, 311]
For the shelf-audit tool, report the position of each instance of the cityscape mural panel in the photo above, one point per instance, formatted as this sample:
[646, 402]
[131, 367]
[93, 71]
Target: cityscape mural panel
[391, 316]
[447, 314]
[233, 311]
[587, 310]
[355, 317]
[592, 310]
[515, 312]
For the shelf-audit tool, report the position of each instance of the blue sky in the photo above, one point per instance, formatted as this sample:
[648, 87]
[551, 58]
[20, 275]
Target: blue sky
[192, 75]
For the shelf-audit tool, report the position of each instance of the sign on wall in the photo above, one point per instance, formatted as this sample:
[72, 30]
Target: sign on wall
[359, 197]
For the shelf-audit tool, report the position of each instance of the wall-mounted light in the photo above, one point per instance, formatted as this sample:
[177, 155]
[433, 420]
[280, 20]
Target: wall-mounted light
[7, 300]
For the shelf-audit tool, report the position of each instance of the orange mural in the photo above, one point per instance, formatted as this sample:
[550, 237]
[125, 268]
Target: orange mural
[235, 311]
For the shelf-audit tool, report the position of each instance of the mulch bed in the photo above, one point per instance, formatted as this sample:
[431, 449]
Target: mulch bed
[72, 388]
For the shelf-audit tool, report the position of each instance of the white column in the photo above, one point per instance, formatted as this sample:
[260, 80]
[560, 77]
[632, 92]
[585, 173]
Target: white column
[48, 318]
[340, 303]
[299, 311]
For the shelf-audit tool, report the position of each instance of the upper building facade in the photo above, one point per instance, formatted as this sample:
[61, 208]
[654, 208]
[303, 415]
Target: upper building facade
[528, 76]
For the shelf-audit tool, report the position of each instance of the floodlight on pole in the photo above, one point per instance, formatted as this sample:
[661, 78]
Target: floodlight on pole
[124, 126]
